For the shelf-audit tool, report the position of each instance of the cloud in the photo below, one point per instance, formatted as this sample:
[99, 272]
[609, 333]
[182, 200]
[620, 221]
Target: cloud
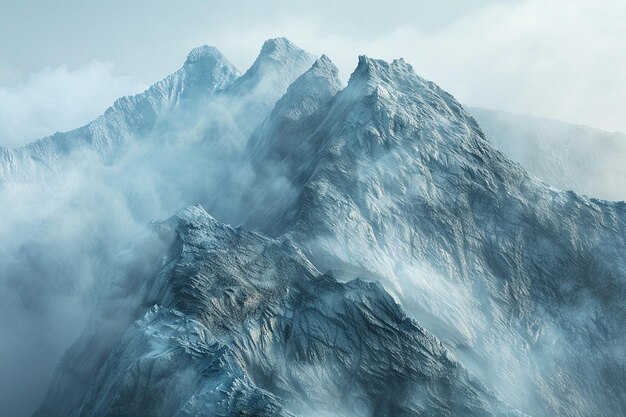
[559, 59]
[554, 58]
[59, 99]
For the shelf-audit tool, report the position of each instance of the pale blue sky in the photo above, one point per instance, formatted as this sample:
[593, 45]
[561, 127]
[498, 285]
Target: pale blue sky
[556, 58]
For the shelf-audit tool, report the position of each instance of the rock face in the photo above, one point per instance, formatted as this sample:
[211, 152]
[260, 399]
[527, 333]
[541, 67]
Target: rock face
[403, 188]
[513, 290]
[245, 325]
[570, 157]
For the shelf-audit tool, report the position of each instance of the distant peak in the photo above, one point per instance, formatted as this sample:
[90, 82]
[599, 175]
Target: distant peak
[280, 60]
[204, 53]
[281, 49]
[364, 60]
[323, 74]
[396, 64]
[277, 44]
[324, 63]
[371, 65]
[369, 69]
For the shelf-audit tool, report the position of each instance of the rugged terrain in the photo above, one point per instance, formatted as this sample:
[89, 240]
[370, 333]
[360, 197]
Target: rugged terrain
[513, 290]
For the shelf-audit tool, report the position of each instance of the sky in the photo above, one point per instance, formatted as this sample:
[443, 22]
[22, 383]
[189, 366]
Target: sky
[62, 63]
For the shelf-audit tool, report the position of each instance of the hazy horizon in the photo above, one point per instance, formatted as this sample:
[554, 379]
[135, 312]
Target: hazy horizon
[518, 56]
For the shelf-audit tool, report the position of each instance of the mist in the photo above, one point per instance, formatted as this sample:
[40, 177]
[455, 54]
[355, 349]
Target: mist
[569, 157]
[59, 99]
[62, 235]
[522, 56]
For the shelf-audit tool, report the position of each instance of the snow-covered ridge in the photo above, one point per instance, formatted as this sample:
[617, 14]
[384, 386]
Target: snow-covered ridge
[514, 289]
[244, 324]
[135, 118]
[204, 72]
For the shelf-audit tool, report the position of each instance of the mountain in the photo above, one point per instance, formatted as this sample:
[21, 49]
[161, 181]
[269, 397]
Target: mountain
[570, 157]
[387, 259]
[275, 155]
[245, 325]
[204, 72]
[507, 271]
[69, 202]
[205, 94]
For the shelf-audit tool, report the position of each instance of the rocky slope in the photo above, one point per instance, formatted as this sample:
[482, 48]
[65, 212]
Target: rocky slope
[395, 182]
[245, 325]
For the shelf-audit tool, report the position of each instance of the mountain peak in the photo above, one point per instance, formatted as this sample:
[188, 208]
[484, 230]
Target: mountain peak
[206, 70]
[324, 64]
[315, 87]
[397, 86]
[279, 58]
[204, 53]
[276, 47]
[311, 90]
[380, 69]
[278, 64]
[281, 50]
[208, 66]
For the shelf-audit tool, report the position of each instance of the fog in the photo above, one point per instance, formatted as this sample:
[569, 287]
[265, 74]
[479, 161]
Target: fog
[569, 157]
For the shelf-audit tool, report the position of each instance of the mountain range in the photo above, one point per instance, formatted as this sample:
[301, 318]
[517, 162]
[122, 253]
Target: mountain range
[335, 250]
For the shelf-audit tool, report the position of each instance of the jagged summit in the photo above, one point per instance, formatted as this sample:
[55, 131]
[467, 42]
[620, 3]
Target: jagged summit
[282, 57]
[205, 53]
[325, 64]
[304, 97]
[279, 48]
[312, 89]
[381, 67]
[375, 71]
[398, 73]
[192, 219]
[202, 52]
[206, 70]
[408, 100]
[278, 64]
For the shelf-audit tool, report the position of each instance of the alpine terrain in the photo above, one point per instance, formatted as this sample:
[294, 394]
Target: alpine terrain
[312, 249]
